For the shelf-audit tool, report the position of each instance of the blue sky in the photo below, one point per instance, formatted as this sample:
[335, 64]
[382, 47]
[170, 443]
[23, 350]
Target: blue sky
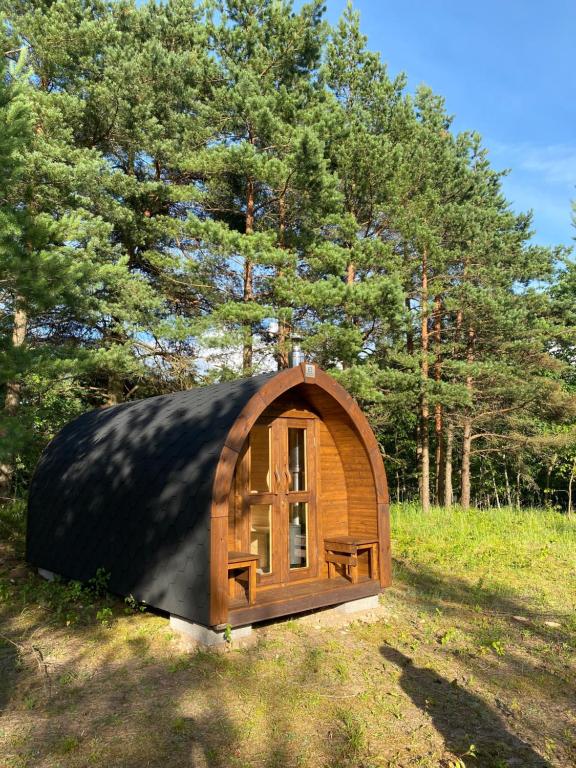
[507, 70]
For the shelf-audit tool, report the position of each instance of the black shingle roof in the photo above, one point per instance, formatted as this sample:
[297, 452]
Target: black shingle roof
[128, 489]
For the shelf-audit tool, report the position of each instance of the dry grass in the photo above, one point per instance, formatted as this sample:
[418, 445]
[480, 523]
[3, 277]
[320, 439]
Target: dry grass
[460, 666]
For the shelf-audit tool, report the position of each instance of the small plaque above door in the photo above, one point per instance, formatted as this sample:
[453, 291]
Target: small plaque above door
[309, 371]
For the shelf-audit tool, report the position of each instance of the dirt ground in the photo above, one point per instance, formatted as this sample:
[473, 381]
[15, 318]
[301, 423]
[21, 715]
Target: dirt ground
[430, 678]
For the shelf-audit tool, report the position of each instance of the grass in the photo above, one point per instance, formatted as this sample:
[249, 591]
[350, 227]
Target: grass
[529, 554]
[13, 523]
[470, 661]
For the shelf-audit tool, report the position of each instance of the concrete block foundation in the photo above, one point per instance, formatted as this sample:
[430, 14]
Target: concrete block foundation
[354, 606]
[48, 575]
[207, 636]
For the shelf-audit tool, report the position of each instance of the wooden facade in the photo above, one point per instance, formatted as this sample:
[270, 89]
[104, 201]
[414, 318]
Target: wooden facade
[344, 495]
[223, 505]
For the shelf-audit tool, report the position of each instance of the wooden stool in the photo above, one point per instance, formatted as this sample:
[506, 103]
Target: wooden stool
[343, 550]
[245, 562]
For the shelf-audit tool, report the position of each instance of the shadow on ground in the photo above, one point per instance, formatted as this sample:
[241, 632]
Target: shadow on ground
[129, 696]
[463, 719]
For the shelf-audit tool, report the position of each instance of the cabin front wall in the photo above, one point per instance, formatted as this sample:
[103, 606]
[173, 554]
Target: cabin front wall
[343, 499]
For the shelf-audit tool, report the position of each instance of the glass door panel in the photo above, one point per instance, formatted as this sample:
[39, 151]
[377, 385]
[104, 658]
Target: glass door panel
[260, 501]
[297, 459]
[299, 499]
[259, 481]
[261, 535]
[298, 532]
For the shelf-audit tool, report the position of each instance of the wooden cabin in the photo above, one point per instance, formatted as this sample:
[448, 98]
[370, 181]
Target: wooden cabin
[221, 505]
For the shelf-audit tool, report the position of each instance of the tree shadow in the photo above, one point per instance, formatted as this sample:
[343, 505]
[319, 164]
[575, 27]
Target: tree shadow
[140, 706]
[131, 695]
[462, 718]
[125, 713]
[8, 672]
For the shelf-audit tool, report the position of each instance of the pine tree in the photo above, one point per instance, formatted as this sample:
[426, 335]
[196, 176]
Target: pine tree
[66, 282]
[142, 191]
[504, 363]
[347, 283]
[262, 170]
[15, 136]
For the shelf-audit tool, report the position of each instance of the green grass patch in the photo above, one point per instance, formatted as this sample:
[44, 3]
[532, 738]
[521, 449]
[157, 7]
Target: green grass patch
[519, 558]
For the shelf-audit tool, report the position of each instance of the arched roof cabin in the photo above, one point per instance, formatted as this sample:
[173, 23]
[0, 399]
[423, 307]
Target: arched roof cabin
[225, 504]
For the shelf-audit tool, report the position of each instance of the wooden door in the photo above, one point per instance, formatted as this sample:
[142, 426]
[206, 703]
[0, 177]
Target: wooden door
[279, 499]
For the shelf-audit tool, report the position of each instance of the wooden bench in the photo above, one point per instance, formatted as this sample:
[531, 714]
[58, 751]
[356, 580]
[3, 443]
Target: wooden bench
[242, 566]
[344, 550]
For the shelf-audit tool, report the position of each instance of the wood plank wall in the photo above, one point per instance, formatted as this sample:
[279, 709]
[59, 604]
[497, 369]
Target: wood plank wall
[332, 493]
[361, 503]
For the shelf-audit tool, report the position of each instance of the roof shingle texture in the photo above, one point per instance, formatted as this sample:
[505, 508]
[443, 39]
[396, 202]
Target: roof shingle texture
[129, 489]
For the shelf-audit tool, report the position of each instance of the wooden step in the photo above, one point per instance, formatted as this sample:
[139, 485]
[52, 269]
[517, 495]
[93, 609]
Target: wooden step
[296, 598]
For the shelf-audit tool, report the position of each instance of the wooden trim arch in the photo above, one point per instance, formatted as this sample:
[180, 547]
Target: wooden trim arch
[270, 391]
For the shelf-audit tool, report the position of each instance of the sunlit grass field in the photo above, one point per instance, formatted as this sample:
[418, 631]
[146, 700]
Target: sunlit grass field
[523, 555]
[469, 661]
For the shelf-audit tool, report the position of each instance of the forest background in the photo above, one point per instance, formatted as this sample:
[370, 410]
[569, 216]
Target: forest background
[186, 186]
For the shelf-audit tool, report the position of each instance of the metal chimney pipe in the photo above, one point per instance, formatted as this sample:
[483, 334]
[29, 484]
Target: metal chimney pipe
[295, 356]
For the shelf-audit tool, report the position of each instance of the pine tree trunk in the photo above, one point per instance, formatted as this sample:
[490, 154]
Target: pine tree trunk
[448, 492]
[508, 492]
[440, 449]
[13, 392]
[438, 430]
[282, 359]
[467, 432]
[282, 351]
[350, 273]
[410, 351]
[424, 405]
[13, 388]
[466, 446]
[6, 473]
[115, 390]
[449, 448]
[425, 461]
[496, 491]
[419, 455]
[549, 470]
[409, 334]
[115, 337]
[570, 484]
[349, 279]
[248, 286]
